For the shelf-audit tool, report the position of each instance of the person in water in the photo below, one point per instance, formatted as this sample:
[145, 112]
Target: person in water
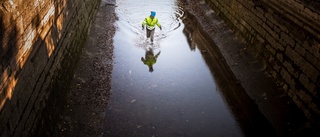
[150, 22]
[150, 59]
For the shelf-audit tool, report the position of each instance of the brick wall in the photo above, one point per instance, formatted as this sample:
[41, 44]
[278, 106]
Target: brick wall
[40, 43]
[285, 34]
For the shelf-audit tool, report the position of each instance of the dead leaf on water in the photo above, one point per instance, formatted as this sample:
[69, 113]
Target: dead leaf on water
[134, 100]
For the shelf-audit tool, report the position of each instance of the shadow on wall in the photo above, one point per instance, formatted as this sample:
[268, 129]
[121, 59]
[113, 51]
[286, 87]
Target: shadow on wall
[38, 53]
[8, 39]
[14, 52]
[24, 61]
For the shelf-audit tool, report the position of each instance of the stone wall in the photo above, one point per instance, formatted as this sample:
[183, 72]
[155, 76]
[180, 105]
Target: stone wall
[40, 43]
[285, 34]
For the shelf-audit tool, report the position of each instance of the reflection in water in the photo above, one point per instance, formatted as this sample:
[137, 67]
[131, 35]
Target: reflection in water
[150, 59]
[189, 33]
[190, 94]
[248, 116]
[180, 98]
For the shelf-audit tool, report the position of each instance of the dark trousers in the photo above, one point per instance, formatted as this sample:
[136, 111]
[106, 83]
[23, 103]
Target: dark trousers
[150, 34]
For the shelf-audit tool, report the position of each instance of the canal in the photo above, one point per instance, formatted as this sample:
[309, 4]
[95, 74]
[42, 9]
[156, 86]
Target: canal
[189, 91]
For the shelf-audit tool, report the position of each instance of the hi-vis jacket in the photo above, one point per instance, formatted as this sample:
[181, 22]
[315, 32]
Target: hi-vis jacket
[151, 23]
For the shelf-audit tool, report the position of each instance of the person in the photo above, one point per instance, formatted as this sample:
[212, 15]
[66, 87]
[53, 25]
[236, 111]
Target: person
[150, 59]
[150, 22]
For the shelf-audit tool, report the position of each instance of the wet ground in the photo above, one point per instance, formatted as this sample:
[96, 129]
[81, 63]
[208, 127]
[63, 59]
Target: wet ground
[201, 85]
[180, 96]
[89, 91]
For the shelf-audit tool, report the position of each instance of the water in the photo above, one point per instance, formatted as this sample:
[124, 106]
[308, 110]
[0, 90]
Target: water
[180, 97]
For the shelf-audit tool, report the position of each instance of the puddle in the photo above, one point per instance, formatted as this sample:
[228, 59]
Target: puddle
[188, 92]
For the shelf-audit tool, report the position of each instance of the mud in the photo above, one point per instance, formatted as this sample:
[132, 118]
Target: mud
[89, 91]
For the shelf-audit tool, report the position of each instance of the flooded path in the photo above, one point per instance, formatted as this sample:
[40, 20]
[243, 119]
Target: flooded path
[188, 92]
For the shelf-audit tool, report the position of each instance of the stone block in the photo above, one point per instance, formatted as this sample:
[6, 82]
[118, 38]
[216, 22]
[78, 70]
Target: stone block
[302, 51]
[310, 71]
[313, 60]
[288, 79]
[277, 67]
[274, 43]
[270, 30]
[295, 57]
[260, 14]
[294, 71]
[299, 35]
[271, 49]
[270, 24]
[280, 57]
[312, 46]
[270, 17]
[306, 98]
[286, 40]
[311, 14]
[316, 48]
[247, 4]
[304, 80]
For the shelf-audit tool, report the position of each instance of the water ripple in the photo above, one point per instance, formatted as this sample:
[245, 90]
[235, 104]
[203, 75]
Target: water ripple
[131, 14]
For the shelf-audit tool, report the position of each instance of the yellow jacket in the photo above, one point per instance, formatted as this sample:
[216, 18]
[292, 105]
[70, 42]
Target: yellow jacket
[151, 23]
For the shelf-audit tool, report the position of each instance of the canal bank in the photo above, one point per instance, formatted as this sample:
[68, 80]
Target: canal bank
[286, 118]
[90, 88]
[83, 113]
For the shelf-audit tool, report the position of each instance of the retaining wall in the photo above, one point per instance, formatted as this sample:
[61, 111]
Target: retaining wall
[40, 41]
[285, 34]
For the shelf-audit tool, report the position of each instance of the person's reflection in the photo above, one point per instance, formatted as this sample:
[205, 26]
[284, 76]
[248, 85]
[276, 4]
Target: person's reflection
[150, 59]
